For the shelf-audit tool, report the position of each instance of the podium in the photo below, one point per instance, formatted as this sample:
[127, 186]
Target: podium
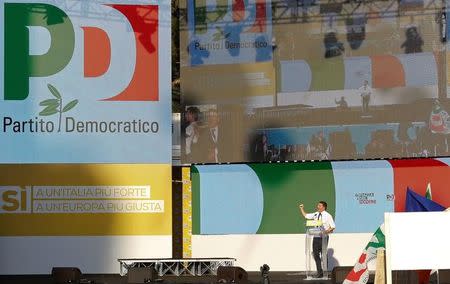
[314, 230]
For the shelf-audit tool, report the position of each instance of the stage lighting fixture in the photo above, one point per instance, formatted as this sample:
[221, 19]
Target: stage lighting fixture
[265, 274]
[413, 42]
[356, 31]
[333, 47]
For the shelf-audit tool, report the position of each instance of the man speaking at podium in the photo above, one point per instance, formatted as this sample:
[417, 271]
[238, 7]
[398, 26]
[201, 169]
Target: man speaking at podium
[327, 227]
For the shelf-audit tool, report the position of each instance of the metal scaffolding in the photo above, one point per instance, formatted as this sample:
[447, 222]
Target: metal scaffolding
[177, 267]
[302, 11]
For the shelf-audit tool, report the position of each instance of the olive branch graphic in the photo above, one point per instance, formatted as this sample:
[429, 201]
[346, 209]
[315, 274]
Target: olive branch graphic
[54, 106]
[220, 34]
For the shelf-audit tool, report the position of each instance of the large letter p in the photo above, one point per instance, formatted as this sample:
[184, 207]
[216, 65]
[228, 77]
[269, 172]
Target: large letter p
[19, 64]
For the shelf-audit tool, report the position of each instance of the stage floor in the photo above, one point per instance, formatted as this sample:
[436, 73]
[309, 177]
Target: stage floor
[254, 278]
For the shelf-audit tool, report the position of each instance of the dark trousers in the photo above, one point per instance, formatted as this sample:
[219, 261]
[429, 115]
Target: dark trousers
[318, 254]
[365, 103]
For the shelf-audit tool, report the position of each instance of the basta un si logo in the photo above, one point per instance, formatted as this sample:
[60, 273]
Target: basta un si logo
[20, 66]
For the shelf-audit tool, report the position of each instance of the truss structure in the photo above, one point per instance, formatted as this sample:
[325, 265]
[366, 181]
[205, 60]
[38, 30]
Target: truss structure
[301, 11]
[92, 10]
[177, 267]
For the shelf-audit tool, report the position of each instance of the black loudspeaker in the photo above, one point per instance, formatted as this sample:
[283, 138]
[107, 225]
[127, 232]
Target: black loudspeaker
[444, 276]
[231, 274]
[405, 277]
[140, 275]
[339, 273]
[64, 275]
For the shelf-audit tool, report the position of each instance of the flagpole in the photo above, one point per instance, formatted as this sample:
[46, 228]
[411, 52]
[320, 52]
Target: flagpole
[387, 234]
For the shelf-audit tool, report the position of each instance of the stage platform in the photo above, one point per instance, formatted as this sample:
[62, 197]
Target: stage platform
[176, 267]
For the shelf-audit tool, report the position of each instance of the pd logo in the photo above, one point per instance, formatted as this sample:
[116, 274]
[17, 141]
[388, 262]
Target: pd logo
[15, 199]
[237, 33]
[20, 65]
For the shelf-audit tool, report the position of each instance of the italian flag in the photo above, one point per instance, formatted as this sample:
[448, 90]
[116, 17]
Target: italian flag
[360, 272]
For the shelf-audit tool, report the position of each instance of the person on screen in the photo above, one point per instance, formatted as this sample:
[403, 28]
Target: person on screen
[191, 132]
[371, 150]
[318, 148]
[261, 148]
[210, 139]
[341, 104]
[365, 91]
[327, 227]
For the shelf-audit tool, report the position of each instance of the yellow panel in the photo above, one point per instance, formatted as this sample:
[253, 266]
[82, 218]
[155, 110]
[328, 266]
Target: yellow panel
[187, 212]
[85, 199]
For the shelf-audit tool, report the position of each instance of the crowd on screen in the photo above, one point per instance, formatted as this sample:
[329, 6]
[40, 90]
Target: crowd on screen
[382, 144]
[206, 142]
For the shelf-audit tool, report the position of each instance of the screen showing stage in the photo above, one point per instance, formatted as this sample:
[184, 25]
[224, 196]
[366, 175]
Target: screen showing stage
[292, 80]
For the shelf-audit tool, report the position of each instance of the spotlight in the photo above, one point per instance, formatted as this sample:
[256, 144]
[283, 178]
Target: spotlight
[413, 42]
[356, 31]
[333, 47]
[265, 274]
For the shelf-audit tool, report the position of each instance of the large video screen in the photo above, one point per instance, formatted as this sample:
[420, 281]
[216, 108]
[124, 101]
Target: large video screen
[284, 80]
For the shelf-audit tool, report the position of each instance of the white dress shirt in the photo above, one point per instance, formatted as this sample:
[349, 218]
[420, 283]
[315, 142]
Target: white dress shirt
[191, 137]
[325, 217]
[365, 91]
